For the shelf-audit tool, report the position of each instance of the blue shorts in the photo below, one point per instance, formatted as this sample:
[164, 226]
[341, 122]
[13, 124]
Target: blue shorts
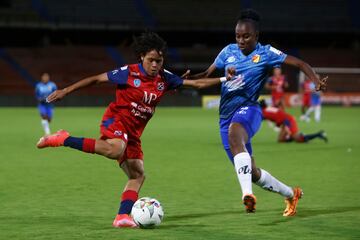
[249, 117]
[315, 99]
[46, 110]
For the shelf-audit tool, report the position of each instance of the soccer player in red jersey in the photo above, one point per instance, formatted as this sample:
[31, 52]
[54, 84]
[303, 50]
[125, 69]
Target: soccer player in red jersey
[139, 88]
[277, 85]
[306, 89]
[289, 130]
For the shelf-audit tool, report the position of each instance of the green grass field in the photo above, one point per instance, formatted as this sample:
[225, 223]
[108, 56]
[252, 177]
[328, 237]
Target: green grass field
[66, 194]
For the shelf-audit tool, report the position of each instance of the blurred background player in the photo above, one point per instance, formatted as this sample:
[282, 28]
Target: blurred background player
[140, 88]
[42, 90]
[277, 84]
[306, 88]
[315, 106]
[289, 130]
[240, 114]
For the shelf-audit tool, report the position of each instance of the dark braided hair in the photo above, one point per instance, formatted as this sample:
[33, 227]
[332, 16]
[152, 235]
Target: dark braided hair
[250, 15]
[147, 42]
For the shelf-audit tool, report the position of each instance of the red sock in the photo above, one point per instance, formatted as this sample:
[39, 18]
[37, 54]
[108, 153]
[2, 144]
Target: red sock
[128, 199]
[89, 145]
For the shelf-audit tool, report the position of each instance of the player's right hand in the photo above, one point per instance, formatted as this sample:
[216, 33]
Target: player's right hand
[56, 96]
[231, 72]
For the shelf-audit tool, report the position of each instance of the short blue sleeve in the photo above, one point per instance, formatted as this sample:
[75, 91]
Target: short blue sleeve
[53, 86]
[275, 56]
[221, 58]
[119, 76]
[172, 80]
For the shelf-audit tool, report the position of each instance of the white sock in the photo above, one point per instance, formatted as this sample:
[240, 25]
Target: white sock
[317, 113]
[309, 111]
[270, 183]
[45, 125]
[242, 162]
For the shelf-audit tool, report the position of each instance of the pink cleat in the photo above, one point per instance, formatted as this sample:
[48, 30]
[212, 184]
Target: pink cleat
[124, 221]
[54, 140]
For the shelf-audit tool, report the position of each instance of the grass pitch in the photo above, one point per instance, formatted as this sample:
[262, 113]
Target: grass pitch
[62, 193]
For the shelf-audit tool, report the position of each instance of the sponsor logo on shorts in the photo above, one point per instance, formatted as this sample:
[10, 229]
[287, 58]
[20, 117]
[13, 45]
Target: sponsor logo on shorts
[243, 110]
[137, 82]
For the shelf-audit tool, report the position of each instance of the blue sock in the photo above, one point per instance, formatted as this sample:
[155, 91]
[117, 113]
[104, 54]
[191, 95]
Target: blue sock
[74, 142]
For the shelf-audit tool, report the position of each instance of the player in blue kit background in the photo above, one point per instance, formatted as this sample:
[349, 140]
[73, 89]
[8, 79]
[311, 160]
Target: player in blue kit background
[42, 90]
[248, 63]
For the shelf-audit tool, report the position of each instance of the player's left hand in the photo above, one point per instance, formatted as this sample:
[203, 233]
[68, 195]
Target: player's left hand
[322, 83]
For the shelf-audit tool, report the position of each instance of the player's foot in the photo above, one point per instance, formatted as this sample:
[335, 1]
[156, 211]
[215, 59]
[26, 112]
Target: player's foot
[124, 221]
[291, 203]
[249, 201]
[54, 140]
[323, 136]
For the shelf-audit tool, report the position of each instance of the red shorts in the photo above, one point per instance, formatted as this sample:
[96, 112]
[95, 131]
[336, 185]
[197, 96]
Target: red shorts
[306, 100]
[290, 122]
[111, 128]
[276, 98]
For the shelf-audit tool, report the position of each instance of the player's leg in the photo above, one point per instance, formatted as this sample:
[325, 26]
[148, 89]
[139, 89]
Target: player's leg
[132, 165]
[134, 170]
[110, 148]
[304, 138]
[44, 118]
[265, 180]
[317, 112]
[308, 112]
[245, 122]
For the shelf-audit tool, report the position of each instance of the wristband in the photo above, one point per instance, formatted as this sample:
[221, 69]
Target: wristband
[223, 79]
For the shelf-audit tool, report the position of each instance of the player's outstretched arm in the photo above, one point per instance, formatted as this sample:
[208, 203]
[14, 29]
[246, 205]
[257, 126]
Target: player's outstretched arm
[310, 73]
[203, 82]
[204, 74]
[59, 94]
[208, 82]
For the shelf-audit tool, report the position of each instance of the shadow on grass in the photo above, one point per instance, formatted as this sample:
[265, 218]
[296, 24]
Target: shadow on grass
[308, 213]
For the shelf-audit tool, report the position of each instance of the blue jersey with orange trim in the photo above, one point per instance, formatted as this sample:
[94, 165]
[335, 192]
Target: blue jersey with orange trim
[137, 94]
[251, 75]
[43, 90]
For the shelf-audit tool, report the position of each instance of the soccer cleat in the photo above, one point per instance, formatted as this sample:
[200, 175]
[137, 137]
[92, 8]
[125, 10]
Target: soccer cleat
[124, 221]
[323, 136]
[249, 201]
[54, 140]
[291, 203]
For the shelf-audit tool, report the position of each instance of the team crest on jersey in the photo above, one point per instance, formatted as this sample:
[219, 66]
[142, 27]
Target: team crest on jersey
[160, 86]
[137, 82]
[256, 58]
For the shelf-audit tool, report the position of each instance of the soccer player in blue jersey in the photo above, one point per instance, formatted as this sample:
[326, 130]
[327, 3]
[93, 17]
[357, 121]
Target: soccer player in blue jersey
[240, 115]
[42, 90]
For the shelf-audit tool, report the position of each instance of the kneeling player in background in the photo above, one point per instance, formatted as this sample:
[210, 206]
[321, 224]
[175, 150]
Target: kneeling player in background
[288, 127]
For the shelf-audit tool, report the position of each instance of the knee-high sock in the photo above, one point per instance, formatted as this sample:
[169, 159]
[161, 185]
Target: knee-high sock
[45, 125]
[242, 162]
[128, 199]
[317, 113]
[270, 183]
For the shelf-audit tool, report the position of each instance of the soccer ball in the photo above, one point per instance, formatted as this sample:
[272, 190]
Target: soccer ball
[147, 212]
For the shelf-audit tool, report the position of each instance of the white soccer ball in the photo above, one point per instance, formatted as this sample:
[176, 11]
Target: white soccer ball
[147, 212]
